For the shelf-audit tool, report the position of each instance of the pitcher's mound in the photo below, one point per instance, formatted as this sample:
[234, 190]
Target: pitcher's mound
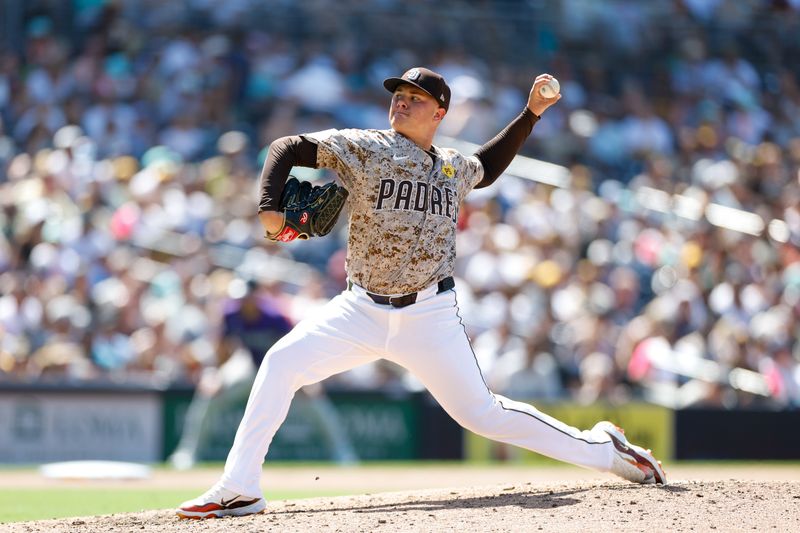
[681, 506]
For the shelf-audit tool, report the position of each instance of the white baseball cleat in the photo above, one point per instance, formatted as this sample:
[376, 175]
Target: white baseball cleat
[218, 502]
[632, 462]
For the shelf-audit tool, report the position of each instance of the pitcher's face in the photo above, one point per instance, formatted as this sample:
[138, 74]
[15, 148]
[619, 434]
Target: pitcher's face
[414, 112]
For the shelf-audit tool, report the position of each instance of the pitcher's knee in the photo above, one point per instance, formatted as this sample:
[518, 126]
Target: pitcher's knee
[478, 420]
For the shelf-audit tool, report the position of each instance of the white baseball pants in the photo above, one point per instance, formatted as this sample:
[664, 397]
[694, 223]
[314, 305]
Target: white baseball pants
[429, 340]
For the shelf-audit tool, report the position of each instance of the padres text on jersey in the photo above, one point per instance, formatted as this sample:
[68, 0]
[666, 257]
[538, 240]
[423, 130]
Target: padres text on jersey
[403, 206]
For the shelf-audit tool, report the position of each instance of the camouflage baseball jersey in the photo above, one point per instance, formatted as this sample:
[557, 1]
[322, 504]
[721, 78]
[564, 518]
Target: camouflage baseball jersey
[403, 206]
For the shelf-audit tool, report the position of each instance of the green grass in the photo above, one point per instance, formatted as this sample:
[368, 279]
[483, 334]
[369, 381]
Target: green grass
[20, 505]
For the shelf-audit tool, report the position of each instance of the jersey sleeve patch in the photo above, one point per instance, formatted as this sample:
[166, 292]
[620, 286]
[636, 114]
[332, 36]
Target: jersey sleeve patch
[468, 171]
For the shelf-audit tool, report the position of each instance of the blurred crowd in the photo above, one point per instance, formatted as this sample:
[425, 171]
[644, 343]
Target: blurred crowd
[132, 135]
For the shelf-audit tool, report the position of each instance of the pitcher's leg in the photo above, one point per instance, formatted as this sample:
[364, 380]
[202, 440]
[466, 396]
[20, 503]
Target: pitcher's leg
[438, 353]
[310, 353]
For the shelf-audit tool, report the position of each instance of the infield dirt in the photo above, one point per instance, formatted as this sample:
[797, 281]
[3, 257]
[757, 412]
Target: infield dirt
[698, 499]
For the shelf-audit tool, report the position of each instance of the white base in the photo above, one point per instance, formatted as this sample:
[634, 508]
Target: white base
[94, 470]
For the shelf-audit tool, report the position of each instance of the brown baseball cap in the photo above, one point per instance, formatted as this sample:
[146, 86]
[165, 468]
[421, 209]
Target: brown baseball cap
[425, 79]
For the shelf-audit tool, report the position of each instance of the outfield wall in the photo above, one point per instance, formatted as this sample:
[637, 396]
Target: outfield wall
[42, 424]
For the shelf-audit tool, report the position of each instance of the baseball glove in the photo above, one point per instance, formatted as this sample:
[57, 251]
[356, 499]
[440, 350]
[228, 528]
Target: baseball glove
[309, 211]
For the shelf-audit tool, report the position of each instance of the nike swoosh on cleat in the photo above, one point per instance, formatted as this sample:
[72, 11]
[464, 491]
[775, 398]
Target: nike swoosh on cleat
[618, 444]
[236, 503]
[226, 503]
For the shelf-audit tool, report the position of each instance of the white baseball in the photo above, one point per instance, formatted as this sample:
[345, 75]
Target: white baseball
[550, 89]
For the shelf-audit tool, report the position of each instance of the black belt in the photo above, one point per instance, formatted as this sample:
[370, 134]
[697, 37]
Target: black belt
[407, 299]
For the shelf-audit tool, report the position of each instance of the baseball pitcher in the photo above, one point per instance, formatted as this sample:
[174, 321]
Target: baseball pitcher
[401, 302]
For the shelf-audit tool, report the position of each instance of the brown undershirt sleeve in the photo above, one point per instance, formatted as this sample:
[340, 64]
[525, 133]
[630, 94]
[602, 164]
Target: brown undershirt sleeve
[284, 153]
[496, 155]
